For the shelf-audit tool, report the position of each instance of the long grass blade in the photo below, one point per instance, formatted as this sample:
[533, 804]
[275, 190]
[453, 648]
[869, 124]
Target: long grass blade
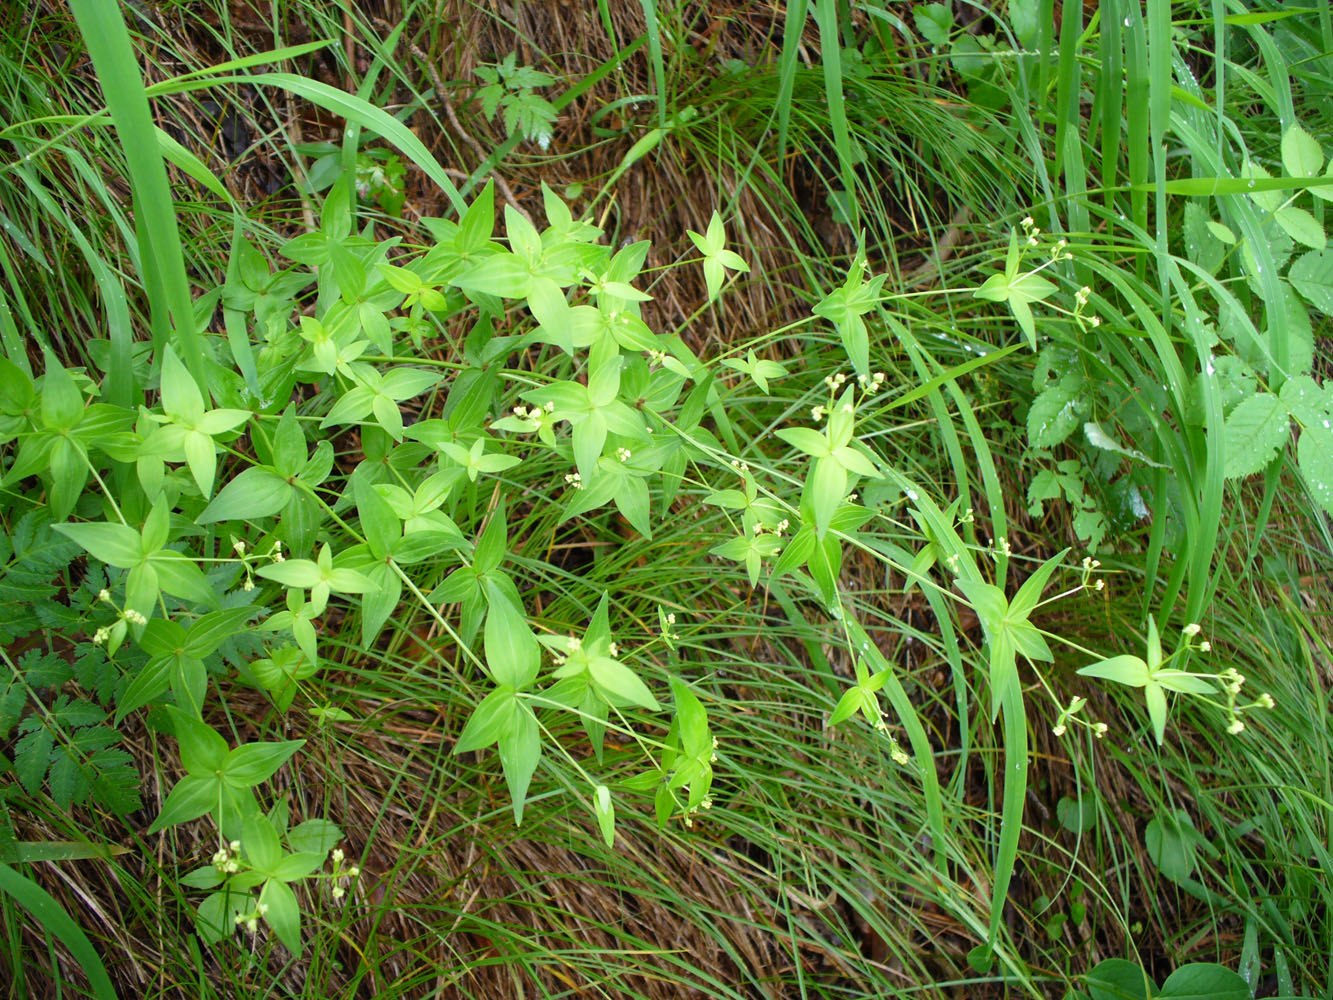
[47, 912]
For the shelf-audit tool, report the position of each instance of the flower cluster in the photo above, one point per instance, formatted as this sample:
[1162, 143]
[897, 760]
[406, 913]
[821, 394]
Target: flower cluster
[343, 874]
[227, 858]
[1070, 716]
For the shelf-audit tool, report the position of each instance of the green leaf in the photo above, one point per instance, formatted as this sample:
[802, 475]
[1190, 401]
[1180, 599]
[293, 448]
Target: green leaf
[194, 795]
[283, 913]
[620, 683]
[1076, 815]
[1204, 982]
[1156, 699]
[848, 705]
[177, 574]
[301, 573]
[180, 395]
[379, 523]
[934, 21]
[1117, 979]
[491, 719]
[314, 836]
[259, 841]
[1128, 670]
[1056, 413]
[1171, 842]
[513, 655]
[251, 763]
[605, 811]
[1253, 433]
[213, 629]
[1314, 455]
[257, 492]
[826, 489]
[114, 544]
[520, 750]
[503, 274]
[202, 748]
[1301, 155]
[805, 439]
[62, 403]
[1301, 226]
[53, 919]
[1312, 276]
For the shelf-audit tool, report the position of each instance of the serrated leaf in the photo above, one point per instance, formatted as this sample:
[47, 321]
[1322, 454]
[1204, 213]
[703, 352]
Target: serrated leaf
[1056, 413]
[32, 756]
[1301, 226]
[1314, 456]
[1253, 433]
[1301, 155]
[1312, 276]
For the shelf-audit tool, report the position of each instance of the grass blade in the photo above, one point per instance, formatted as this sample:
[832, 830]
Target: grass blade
[47, 912]
[162, 263]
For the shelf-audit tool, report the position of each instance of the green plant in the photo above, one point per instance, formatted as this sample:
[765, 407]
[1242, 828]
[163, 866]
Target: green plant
[511, 91]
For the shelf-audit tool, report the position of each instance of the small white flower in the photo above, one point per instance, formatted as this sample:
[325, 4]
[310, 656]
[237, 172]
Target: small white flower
[817, 413]
[353, 872]
[337, 856]
[1100, 729]
[613, 649]
[624, 454]
[101, 636]
[104, 595]
[1192, 629]
[1267, 701]
[238, 546]
[1205, 646]
[1058, 730]
[1237, 727]
[339, 892]
[671, 618]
